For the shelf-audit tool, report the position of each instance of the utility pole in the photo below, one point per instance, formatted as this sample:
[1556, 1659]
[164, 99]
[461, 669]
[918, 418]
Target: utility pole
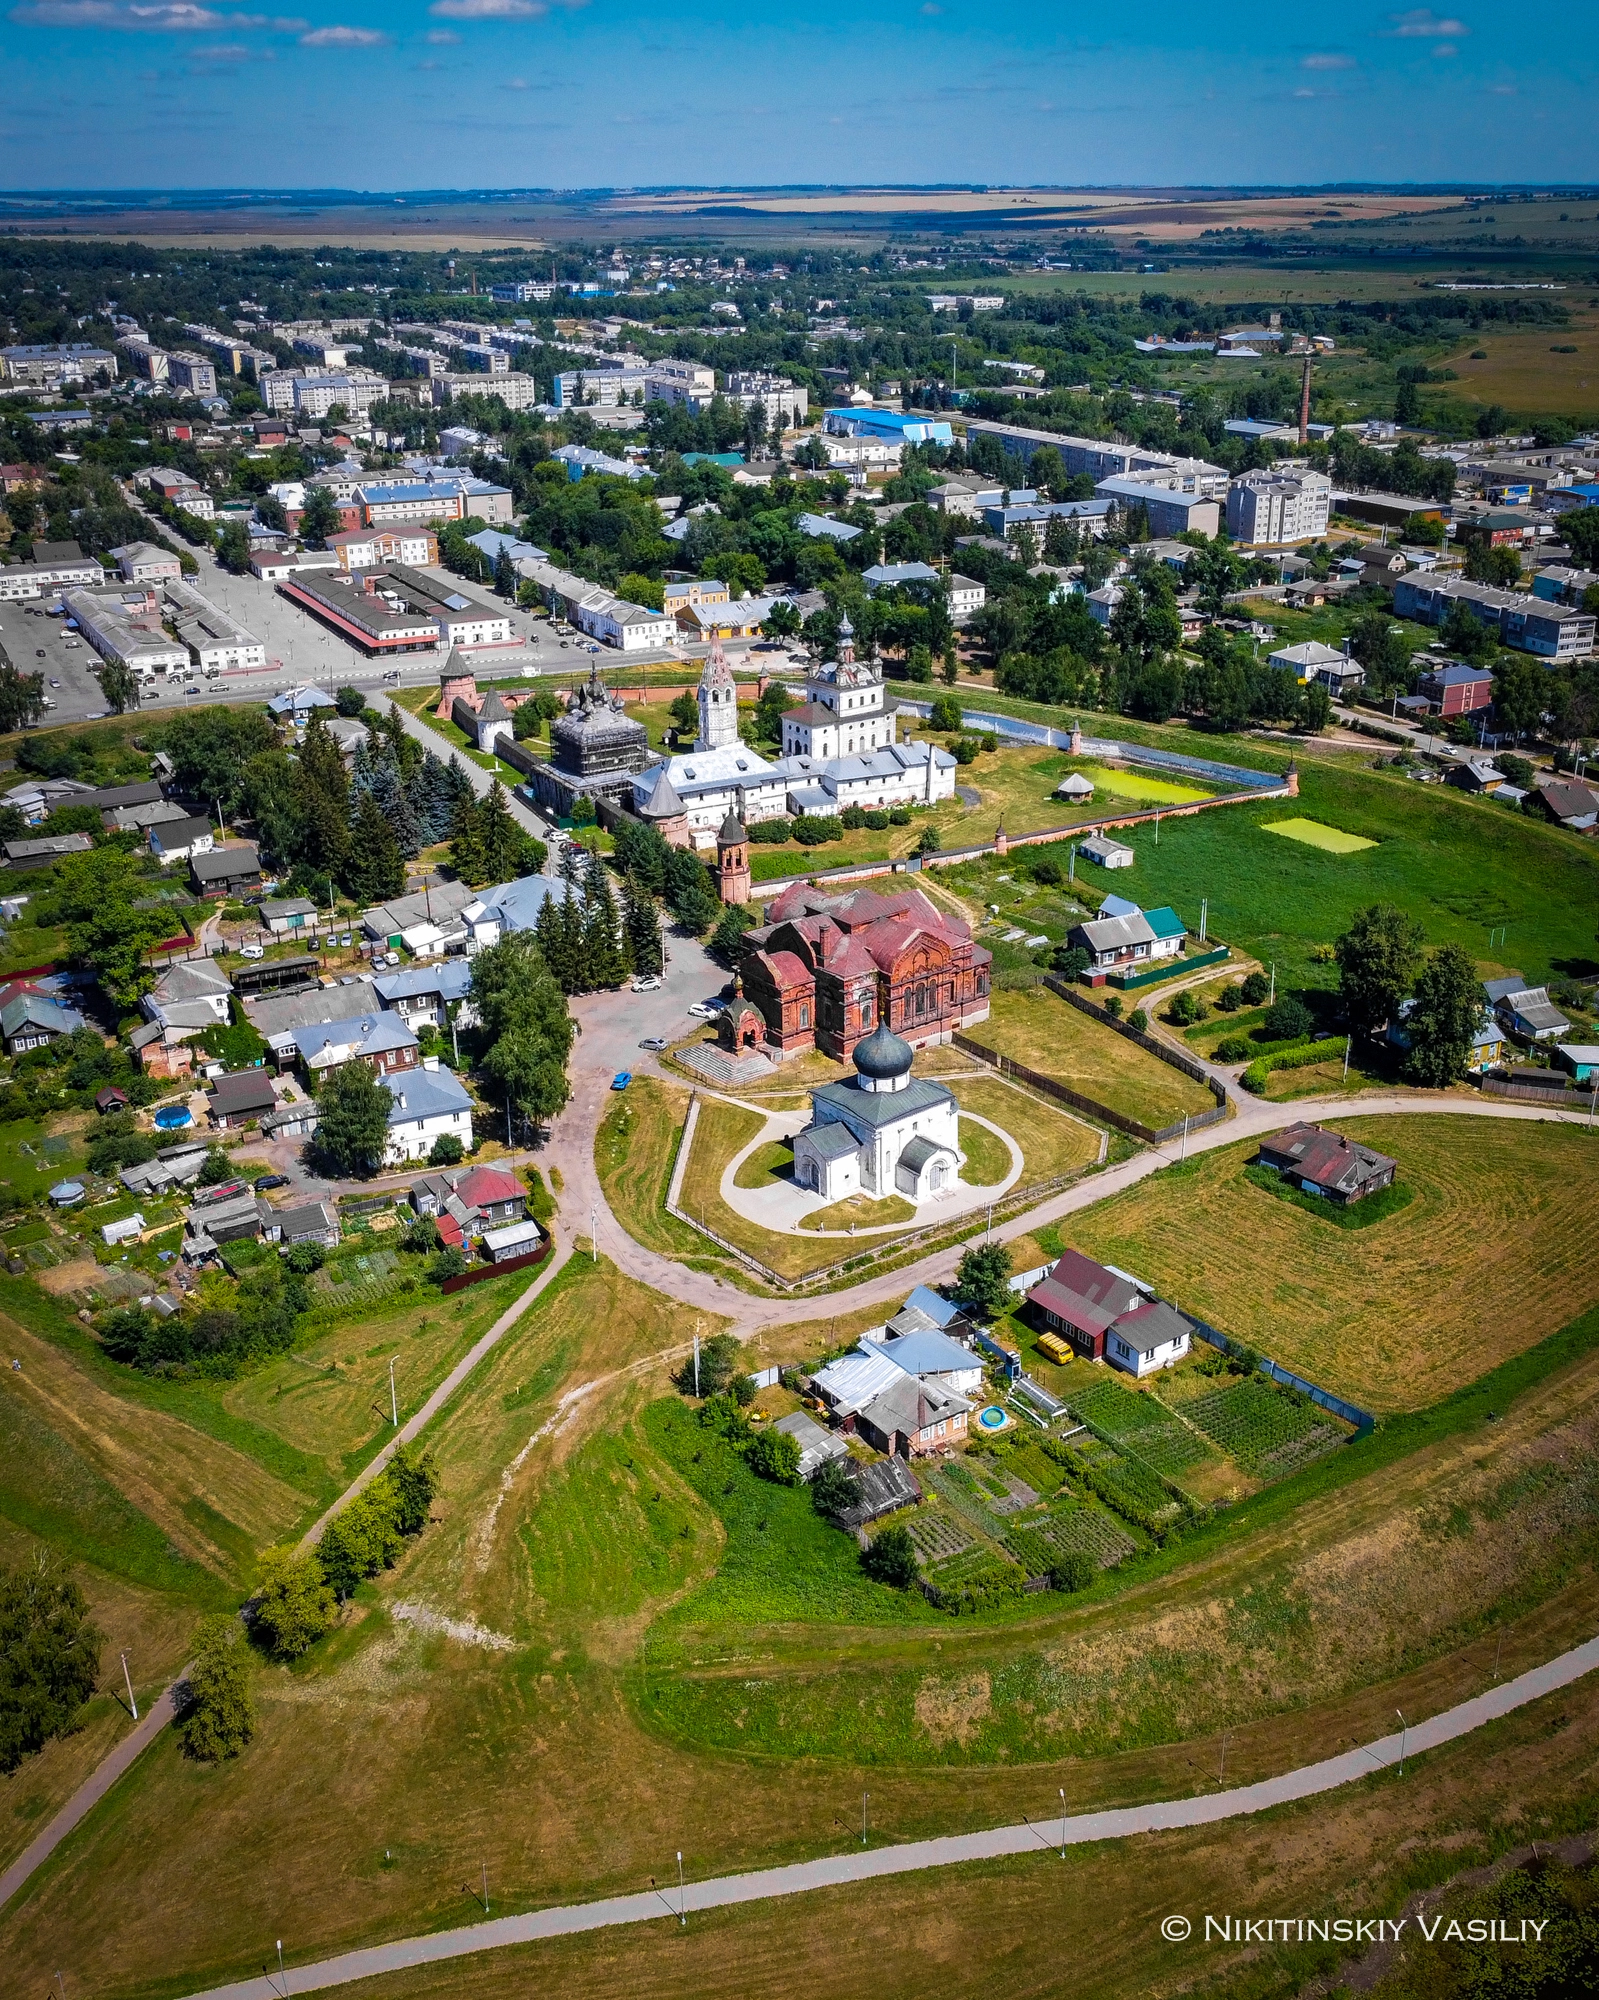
[1063, 1822]
[1221, 1775]
[1347, 1040]
[865, 1801]
[394, 1407]
[682, 1901]
[594, 1236]
[696, 1362]
[1404, 1728]
[485, 1888]
[1304, 402]
[1204, 912]
[129, 1679]
[1185, 1135]
[1273, 999]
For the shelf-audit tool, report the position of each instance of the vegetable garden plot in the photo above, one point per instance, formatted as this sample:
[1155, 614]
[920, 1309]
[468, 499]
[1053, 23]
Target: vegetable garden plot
[1270, 1431]
[1041, 1473]
[1040, 1545]
[1144, 1426]
[938, 1536]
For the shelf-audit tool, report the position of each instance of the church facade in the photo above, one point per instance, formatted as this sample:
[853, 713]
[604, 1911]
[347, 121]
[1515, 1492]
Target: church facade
[827, 971]
[883, 1132]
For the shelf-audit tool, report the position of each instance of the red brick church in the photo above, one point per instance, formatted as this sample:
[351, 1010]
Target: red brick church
[824, 971]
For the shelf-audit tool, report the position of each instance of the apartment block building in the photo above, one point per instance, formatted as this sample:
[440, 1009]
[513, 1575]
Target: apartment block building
[1528, 624]
[1278, 506]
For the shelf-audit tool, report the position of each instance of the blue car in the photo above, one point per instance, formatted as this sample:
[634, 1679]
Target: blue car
[622, 1079]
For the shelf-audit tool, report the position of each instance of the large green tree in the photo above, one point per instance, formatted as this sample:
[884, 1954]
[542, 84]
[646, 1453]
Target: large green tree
[526, 1027]
[981, 1279]
[1442, 1023]
[641, 927]
[374, 868]
[120, 686]
[320, 518]
[106, 934]
[219, 1714]
[49, 1658]
[1377, 960]
[353, 1119]
[293, 1604]
[21, 698]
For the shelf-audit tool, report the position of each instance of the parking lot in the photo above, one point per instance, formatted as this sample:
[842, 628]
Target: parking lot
[301, 650]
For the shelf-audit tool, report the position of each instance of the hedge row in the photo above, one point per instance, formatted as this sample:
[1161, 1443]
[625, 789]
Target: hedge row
[1254, 1078]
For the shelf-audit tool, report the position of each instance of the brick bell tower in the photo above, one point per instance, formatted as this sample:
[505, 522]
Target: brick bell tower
[733, 861]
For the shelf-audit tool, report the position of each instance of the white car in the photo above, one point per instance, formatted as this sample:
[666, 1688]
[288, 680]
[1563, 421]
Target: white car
[702, 1010]
[252, 951]
[648, 984]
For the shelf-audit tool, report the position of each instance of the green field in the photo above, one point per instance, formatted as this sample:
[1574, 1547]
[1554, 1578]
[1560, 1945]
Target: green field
[1393, 1316]
[1462, 867]
[1314, 834]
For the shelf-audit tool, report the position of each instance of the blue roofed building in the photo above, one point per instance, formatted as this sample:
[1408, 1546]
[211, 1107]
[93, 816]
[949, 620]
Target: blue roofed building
[421, 995]
[897, 426]
[429, 1103]
[513, 906]
[298, 704]
[381, 1040]
[822, 528]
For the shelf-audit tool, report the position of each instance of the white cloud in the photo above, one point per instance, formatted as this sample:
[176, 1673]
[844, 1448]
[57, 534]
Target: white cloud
[1328, 62]
[442, 37]
[1423, 22]
[344, 38]
[1446, 49]
[930, 7]
[149, 17]
[488, 10]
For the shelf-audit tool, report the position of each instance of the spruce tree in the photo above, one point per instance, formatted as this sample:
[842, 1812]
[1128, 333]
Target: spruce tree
[641, 925]
[323, 800]
[431, 798]
[604, 956]
[466, 845]
[374, 869]
[500, 839]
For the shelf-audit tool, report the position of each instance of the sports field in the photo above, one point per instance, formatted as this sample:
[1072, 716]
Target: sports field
[1314, 834]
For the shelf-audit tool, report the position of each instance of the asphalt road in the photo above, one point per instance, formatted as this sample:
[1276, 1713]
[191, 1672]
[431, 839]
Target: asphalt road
[1050, 1833]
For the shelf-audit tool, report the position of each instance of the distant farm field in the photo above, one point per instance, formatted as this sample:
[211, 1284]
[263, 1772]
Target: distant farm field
[1495, 1252]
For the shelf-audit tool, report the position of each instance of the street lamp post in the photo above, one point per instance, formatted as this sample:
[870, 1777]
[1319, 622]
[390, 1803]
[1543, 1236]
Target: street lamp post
[1404, 1728]
[1063, 1822]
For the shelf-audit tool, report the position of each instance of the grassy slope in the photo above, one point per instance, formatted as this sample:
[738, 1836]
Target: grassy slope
[533, 1759]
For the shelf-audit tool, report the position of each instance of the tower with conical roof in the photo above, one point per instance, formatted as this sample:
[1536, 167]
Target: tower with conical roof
[718, 699]
[733, 861]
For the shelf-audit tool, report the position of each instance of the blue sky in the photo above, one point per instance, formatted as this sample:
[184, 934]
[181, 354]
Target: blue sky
[589, 93]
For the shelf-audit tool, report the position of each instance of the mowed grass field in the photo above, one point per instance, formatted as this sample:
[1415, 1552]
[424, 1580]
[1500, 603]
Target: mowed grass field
[1492, 1255]
[1037, 1028]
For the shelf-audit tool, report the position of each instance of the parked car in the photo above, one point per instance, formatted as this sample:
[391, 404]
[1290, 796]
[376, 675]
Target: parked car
[39, 652]
[55, 683]
[622, 1079]
[654, 1043]
[252, 951]
[648, 982]
[265, 1181]
[704, 1010]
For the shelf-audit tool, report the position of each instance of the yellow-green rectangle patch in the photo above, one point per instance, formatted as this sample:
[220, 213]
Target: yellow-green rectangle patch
[1314, 834]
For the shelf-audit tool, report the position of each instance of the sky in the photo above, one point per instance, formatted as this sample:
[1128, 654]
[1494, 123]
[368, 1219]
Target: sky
[396, 94]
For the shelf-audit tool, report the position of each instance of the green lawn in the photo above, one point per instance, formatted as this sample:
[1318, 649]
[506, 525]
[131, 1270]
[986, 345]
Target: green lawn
[1461, 866]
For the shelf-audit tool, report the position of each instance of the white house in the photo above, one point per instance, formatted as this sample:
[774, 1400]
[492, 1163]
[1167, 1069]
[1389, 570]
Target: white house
[429, 1103]
[887, 1132]
[1153, 1335]
[179, 839]
[966, 597]
[1314, 663]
